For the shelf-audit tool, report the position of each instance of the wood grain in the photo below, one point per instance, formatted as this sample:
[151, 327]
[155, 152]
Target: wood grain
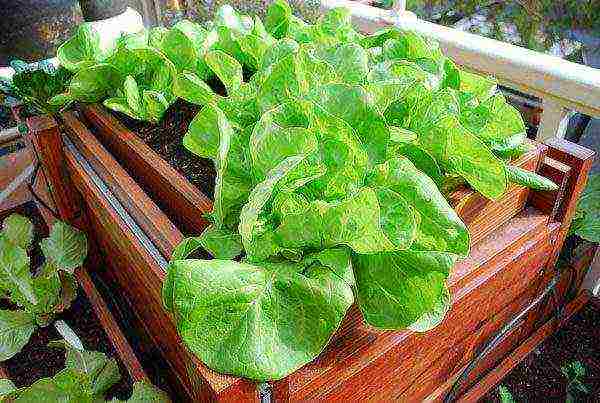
[580, 160]
[179, 199]
[511, 247]
[44, 135]
[483, 216]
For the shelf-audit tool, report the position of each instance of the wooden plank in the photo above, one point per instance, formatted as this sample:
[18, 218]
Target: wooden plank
[550, 201]
[519, 354]
[179, 199]
[580, 160]
[16, 169]
[112, 329]
[45, 137]
[146, 213]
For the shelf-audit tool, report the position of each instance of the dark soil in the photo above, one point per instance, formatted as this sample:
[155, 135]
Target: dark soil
[37, 360]
[539, 378]
[166, 138]
[6, 118]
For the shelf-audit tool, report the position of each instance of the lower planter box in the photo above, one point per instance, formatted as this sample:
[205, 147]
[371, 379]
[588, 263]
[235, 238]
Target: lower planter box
[515, 244]
[91, 320]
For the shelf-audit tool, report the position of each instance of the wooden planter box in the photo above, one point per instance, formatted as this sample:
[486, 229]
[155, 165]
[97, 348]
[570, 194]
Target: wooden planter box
[138, 206]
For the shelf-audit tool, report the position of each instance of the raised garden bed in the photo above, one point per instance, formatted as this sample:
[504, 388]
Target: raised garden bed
[512, 252]
[139, 193]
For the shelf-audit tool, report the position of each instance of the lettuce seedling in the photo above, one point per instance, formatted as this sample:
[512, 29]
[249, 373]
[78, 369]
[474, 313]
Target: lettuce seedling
[35, 84]
[43, 295]
[86, 377]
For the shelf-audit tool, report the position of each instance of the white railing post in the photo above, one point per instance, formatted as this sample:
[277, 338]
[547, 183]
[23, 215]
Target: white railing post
[554, 121]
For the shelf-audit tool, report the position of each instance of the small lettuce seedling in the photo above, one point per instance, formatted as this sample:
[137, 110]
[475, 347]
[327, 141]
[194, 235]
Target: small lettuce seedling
[42, 295]
[35, 84]
[86, 377]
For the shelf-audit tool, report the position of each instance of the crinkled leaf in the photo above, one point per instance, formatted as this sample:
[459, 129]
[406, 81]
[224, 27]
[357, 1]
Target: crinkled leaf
[66, 247]
[431, 319]
[396, 290]
[226, 68]
[277, 316]
[353, 105]
[16, 327]
[354, 222]
[498, 124]
[18, 230]
[279, 13]
[81, 50]
[94, 83]
[221, 243]
[190, 87]
[439, 227]
[15, 277]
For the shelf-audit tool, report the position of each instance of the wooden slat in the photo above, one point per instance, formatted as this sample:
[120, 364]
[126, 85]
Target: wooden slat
[44, 135]
[180, 200]
[580, 160]
[550, 201]
[110, 326]
[16, 169]
[144, 211]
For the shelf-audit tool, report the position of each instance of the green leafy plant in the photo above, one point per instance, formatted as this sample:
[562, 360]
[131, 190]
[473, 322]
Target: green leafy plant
[35, 84]
[505, 395]
[86, 377]
[575, 374]
[586, 222]
[329, 160]
[43, 295]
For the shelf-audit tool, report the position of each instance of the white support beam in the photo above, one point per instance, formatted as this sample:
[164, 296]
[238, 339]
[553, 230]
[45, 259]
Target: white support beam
[554, 121]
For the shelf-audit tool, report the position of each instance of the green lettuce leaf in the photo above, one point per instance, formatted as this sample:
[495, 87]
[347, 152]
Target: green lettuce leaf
[267, 311]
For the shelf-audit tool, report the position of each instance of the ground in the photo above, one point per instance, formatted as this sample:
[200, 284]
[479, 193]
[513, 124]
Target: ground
[539, 377]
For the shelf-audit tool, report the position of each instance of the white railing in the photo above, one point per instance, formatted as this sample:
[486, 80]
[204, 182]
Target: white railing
[563, 86]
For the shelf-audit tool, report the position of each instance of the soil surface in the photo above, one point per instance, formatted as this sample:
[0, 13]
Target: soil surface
[166, 138]
[37, 360]
[539, 378]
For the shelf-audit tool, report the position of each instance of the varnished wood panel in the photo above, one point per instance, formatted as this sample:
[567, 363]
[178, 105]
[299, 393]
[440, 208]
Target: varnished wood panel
[110, 326]
[510, 247]
[526, 347]
[481, 215]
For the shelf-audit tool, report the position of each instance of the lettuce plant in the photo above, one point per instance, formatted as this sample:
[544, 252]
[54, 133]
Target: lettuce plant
[35, 85]
[43, 295]
[86, 377]
[329, 162]
[586, 222]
